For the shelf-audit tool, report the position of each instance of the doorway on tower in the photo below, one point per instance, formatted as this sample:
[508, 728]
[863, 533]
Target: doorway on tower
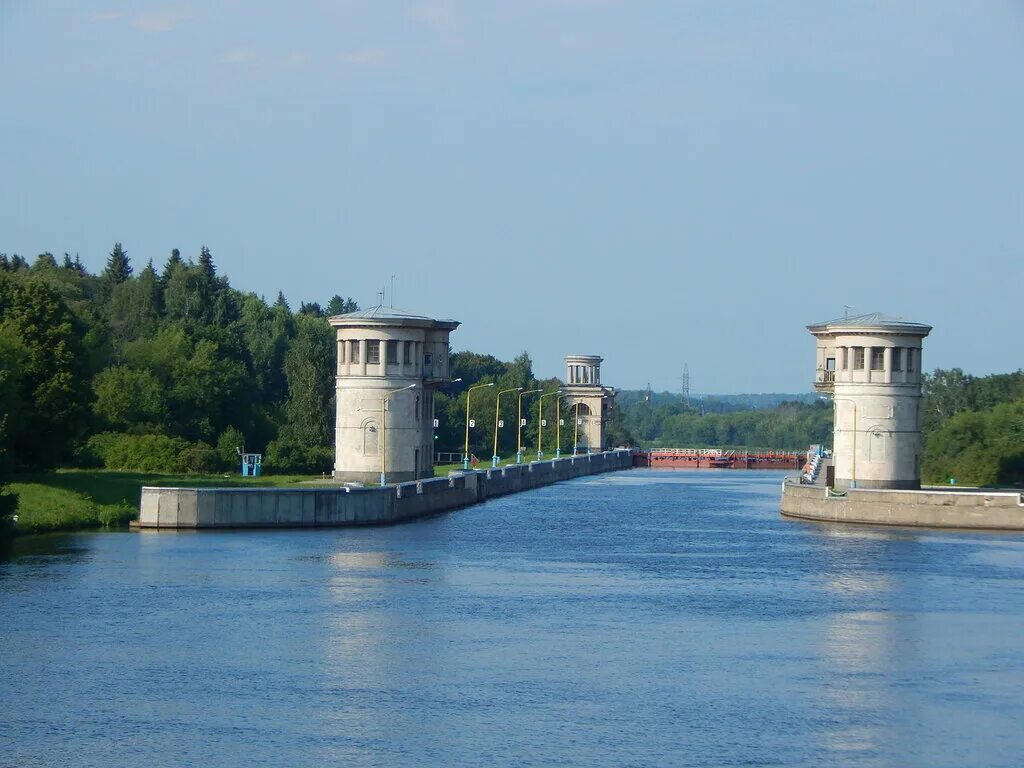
[583, 413]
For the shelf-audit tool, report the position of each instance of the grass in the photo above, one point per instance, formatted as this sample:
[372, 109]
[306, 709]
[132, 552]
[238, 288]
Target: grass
[76, 498]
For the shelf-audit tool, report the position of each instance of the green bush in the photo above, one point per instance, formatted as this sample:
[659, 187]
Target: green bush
[147, 453]
[290, 456]
[228, 443]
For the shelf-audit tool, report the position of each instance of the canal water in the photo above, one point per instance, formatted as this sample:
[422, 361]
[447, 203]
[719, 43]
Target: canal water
[641, 618]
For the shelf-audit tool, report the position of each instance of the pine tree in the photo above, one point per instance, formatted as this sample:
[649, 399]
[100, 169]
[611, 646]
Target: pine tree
[206, 263]
[172, 262]
[282, 301]
[119, 268]
[5, 264]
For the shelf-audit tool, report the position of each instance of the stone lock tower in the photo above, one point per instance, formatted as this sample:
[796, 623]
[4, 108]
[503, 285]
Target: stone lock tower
[583, 385]
[871, 365]
[381, 350]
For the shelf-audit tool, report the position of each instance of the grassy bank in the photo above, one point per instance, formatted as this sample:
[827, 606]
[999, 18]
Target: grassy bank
[71, 498]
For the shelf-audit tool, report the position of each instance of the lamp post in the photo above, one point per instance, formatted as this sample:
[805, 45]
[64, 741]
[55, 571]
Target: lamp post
[497, 412]
[519, 439]
[558, 423]
[853, 467]
[384, 432]
[469, 393]
[540, 421]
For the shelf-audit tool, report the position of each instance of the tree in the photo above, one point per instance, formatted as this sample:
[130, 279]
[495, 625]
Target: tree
[13, 356]
[309, 369]
[206, 264]
[119, 267]
[53, 378]
[946, 393]
[129, 399]
[135, 306]
[340, 306]
[44, 261]
[172, 262]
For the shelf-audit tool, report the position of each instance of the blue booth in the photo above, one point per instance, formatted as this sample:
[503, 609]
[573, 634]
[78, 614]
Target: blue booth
[251, 464]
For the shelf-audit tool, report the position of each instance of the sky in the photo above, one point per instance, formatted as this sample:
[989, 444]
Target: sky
[660, 183]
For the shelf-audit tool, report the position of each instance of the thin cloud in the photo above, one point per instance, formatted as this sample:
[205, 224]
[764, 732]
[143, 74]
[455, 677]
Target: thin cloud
[363, 57]
[440, 16]
[165, 20]
[103, 16]
[237, 55]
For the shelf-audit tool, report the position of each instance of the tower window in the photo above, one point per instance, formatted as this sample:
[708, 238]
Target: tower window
[877, 358]
[408, 353]
[373, 352]
[858, 358]
[392, 353]
[910, 360]
[354, 351]
[897, 359]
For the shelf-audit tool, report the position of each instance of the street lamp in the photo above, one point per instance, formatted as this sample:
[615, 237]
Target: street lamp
[540, 421]
[497, 411]
[469, 393]
[519, 439]
[853, 467]
[558, 423]
[384, 432]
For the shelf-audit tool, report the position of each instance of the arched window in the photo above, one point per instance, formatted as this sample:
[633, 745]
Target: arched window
[877, 439]
[371, 438]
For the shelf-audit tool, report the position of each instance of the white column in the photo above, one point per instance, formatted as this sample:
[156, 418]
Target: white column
[362, 356]
[887, 364]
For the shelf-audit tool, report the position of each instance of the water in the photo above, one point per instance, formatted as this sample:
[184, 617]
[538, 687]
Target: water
[635, 619]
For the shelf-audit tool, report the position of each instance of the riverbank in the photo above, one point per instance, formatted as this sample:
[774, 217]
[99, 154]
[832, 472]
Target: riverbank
[72, 499]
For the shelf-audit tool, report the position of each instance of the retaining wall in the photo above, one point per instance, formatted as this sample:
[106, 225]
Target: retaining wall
[932, 508]
[323, 507]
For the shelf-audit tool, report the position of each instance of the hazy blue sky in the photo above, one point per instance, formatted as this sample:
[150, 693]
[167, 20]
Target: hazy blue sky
[657, 182]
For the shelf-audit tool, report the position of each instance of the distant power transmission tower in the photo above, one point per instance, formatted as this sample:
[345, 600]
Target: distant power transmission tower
[648, 393]
[686, 383]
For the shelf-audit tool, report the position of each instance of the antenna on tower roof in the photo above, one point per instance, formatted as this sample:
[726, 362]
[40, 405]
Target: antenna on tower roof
[686, 383]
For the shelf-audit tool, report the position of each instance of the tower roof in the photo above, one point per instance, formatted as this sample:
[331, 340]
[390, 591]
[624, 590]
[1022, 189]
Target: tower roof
[871, 321]
[381, 315]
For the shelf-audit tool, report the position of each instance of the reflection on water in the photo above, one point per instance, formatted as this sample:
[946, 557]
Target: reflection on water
[642, 618]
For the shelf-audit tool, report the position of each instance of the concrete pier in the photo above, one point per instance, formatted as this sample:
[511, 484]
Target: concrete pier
[174, 508]
[928, 507]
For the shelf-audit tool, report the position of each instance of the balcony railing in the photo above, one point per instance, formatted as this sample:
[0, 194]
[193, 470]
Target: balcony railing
[824, 380]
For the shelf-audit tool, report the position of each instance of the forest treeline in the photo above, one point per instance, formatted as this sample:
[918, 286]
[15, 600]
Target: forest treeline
[172, 369]
[973, 428]
[158, 370]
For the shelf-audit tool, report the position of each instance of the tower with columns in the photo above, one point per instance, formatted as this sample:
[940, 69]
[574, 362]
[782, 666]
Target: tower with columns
[587, 401]
[387, 354]
[871, 366]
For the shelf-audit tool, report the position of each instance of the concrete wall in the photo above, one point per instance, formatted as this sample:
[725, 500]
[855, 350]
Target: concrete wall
[933, 508]
[318, 507]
